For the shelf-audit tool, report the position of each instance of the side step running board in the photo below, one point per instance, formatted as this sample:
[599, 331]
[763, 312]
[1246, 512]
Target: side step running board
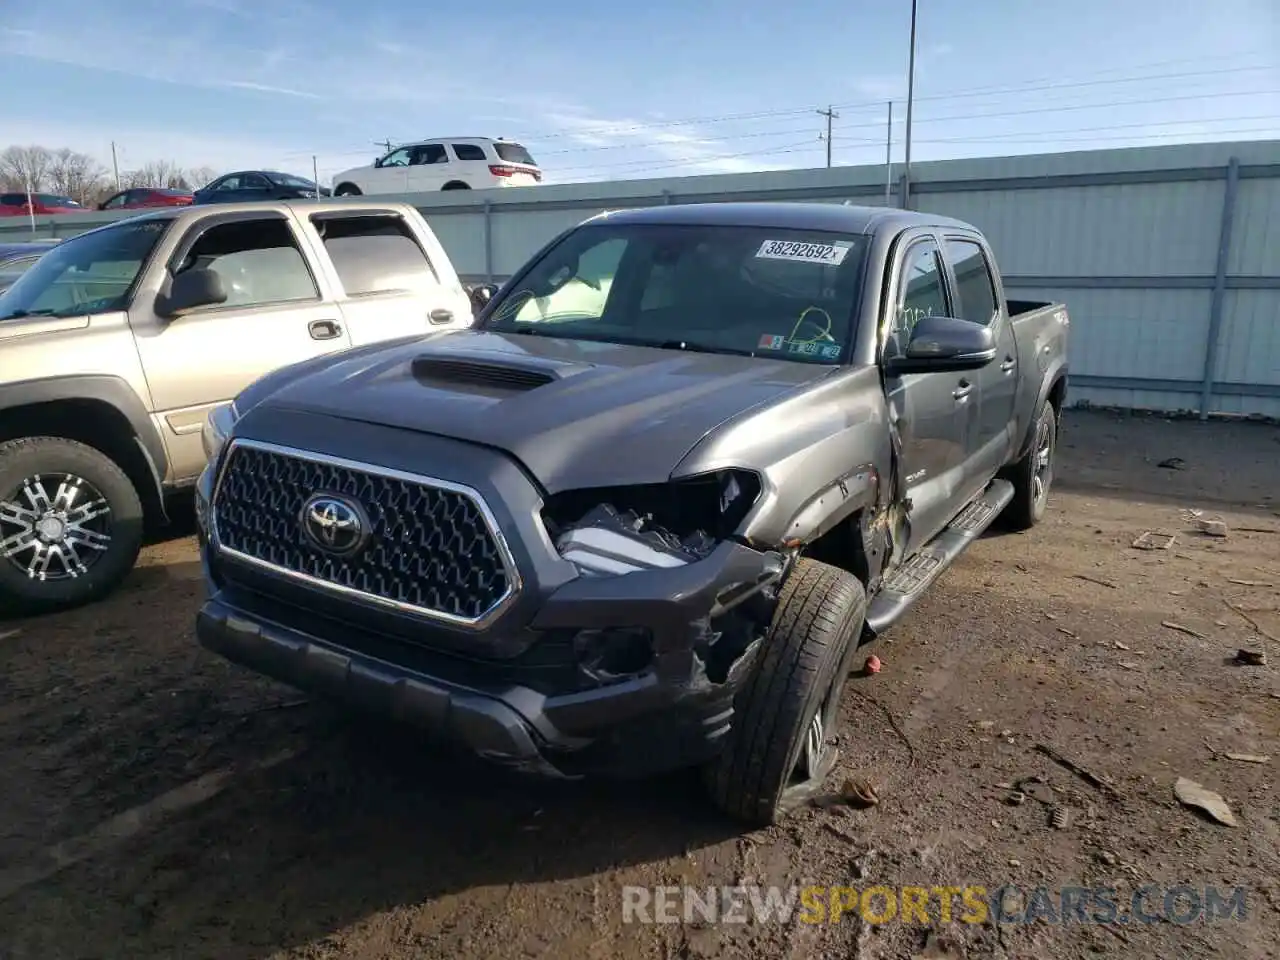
[906, 584]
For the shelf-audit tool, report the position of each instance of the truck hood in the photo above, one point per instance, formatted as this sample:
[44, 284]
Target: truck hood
[574, 413]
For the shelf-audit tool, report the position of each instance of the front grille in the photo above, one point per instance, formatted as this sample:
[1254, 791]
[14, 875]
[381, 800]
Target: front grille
[431, 549]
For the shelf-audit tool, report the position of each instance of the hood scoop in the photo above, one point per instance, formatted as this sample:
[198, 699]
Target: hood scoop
[484, 373]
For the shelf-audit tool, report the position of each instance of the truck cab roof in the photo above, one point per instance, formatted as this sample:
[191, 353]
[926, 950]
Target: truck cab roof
[794, 215]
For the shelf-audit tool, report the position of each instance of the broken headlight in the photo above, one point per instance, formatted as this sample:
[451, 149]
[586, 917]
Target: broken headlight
[612, 531]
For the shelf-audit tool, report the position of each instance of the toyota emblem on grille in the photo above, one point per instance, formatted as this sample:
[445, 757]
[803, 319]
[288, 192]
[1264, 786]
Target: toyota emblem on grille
[334, 524]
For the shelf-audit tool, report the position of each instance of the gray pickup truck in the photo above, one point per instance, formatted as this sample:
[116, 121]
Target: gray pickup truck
[643, 515]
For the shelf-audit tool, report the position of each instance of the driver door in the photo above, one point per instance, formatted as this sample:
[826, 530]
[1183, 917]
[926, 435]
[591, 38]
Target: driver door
[391, 175]
[930, 412]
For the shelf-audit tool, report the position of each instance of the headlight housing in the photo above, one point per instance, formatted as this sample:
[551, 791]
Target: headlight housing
[217, 428]
[619, 530]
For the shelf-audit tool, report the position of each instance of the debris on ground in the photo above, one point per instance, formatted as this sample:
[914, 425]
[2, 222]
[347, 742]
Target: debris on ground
[1060, 817]
[1098, 580]
[1248, 757]
[1090, 778]
[1210, 527]
[1154, 541]
[858, 793]
[1244, 615]
[1250, 658]
[1173, 463]
[9, 634]
[1250, 583]
[1181, 629]
[1191, 794]
[872, 666]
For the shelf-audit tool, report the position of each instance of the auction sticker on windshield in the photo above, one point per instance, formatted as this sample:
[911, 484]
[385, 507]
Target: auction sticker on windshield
[832, 254]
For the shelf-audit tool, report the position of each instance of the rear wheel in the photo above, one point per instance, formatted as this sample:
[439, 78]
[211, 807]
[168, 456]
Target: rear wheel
[1033, 474]
[347, 190]
[778, 756]
[71, 524]
[456, 185]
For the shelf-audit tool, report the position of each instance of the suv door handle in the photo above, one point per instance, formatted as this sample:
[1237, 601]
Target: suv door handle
[440, 316]
[1008, 365]
[324, 329]
[962, 390]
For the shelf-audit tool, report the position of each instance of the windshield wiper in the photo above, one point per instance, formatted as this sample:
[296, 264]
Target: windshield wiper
[701, 347]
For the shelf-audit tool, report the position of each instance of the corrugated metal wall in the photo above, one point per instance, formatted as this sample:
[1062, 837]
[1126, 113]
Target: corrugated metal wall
[1169, 312]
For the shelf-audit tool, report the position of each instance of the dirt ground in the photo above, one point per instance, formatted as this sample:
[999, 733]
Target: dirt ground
[158, 802]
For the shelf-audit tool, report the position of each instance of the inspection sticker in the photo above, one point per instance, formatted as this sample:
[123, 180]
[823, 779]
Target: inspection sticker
[768, 342]
[832, 254]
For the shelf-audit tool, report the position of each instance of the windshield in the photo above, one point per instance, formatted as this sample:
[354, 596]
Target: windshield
[289, 180]
[92, 273]
[513, 153]
[788, 294]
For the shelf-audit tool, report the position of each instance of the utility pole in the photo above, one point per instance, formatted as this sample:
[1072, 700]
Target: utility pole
[315, 173]
[115, 164]
[830, 115]
[385, 144]
[911, 89]
[888, 157]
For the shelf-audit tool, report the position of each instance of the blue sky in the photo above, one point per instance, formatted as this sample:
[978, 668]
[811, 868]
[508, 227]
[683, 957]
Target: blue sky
[604, 91]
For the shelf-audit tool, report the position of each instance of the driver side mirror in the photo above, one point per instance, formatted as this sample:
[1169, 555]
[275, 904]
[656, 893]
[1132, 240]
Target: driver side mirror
[941, 344]
[377, 161]
[197, 287]
[481, 294]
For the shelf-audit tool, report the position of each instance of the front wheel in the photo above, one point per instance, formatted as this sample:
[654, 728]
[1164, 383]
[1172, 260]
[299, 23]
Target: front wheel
[347, 190]
[777, 755]
[1033, 474]
[71, 524]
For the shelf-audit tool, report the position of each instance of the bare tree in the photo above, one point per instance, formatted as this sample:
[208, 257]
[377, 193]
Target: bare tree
[76, 175]
[25, 168]
[198, 177]
[157, 173]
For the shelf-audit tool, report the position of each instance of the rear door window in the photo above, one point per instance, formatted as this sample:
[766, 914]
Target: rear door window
[429, 153]
[468, 151]
[375, 254]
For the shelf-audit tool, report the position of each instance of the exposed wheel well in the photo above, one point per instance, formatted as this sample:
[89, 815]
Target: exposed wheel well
[345, 187]
[1058, 394]
[456, 185]
[95, 424]
[842, 547]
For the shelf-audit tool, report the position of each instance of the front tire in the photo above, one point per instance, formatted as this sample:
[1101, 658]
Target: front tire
[71, 524]
[1032, 476]
[777, 756]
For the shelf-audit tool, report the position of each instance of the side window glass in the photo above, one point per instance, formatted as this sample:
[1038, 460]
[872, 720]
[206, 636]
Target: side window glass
[468, 151]
[577, 296]
[376, 254]
[397, 158]
[116, 201]
[974, 287]
[230, 183]
[258, 261]
[921, 293]
[432, 153]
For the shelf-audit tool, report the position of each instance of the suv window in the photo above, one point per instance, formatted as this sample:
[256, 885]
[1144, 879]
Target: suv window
[468, 151]
[258, 260]
[429, 153]
[396, 158]
[514, 153]
[974, 287]
[228, 183]
[118, 200]
[921, 294]
[779, 293]
[375, 254]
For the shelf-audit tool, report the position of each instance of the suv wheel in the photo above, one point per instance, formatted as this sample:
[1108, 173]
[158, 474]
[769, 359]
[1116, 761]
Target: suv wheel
[1033, 474]
[71, 523]
[347, 190]
[777, 755]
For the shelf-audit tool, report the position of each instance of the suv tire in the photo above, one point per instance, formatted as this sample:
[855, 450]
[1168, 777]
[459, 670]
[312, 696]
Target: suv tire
[1033, 474]
[800, 677]
[67, 553]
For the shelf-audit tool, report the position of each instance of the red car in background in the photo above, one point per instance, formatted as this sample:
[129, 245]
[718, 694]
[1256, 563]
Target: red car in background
[146, 197]
[15, 205]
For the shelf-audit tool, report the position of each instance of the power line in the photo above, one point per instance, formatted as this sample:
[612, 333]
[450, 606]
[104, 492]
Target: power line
[990, 137]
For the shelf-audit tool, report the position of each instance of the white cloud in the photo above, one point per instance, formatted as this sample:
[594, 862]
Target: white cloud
[269, 88]
[649, 149]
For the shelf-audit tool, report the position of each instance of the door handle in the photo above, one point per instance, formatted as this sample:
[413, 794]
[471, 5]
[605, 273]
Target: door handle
[324, 329]
[1008, 365]
[962, 390]
[440, 316]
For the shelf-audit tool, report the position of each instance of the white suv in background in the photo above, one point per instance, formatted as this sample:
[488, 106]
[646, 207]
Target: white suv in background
[445, 163]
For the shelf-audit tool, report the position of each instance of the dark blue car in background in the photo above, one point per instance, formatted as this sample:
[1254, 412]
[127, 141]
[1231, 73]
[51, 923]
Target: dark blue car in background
[257, 185]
